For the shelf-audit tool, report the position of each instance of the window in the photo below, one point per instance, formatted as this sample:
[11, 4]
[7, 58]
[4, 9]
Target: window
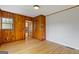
[7, 23]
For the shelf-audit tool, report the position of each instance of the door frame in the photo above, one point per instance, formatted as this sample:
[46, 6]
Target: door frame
[28, 28]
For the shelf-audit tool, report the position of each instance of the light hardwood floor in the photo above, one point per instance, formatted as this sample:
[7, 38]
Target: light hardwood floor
[33, 46]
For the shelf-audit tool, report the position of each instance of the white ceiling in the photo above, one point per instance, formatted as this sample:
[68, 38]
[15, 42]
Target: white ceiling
[28, 10]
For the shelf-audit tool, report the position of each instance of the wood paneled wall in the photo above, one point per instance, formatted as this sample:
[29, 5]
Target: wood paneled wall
[39, 27]
[18, 31]
[0, 27]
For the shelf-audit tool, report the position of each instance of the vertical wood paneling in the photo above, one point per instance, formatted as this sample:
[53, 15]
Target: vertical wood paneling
[19, 27]
[17, 33]
[39, 27]
[0, 28]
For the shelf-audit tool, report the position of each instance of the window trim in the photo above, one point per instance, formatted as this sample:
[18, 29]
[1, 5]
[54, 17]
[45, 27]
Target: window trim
[7, 23]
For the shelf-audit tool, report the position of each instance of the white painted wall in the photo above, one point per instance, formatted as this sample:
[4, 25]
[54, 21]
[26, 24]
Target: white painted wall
[63, 28]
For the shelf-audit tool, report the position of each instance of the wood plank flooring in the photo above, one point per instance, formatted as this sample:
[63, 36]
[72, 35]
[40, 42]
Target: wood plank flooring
[34, 46]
